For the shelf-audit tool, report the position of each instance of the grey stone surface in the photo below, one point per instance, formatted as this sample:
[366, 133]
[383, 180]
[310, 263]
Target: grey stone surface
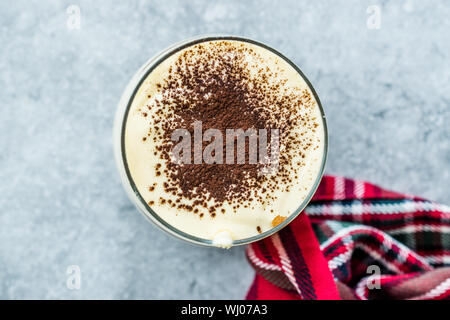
[386, 94]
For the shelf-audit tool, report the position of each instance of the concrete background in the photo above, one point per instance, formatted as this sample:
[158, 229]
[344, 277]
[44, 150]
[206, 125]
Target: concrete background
[385, 92]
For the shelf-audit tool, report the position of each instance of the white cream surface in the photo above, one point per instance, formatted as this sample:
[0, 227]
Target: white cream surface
[231, 225]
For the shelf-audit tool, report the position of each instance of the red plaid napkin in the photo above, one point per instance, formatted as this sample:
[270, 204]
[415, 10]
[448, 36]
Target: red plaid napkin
[357, 241]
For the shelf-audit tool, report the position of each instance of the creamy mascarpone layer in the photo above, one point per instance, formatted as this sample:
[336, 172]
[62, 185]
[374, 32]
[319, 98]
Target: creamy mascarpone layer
[232, 225]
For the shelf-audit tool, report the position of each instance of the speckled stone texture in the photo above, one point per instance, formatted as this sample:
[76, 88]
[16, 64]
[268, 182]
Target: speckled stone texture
[385, 92]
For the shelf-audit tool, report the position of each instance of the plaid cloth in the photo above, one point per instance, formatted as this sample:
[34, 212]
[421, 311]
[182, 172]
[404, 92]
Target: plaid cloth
[357, 241]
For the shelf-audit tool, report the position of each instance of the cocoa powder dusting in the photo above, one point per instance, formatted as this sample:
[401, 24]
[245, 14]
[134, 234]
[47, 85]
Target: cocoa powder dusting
[214, 85]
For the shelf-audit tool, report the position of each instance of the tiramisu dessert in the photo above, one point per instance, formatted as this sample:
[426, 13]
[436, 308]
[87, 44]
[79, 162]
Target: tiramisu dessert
[224, 140]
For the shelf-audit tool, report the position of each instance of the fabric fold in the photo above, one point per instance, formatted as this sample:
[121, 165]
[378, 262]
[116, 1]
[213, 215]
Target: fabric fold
[356, 240]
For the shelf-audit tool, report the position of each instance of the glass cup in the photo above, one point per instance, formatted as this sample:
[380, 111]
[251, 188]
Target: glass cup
[119, 149]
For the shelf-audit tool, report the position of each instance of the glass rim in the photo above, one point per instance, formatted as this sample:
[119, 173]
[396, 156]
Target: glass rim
[120, 129]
